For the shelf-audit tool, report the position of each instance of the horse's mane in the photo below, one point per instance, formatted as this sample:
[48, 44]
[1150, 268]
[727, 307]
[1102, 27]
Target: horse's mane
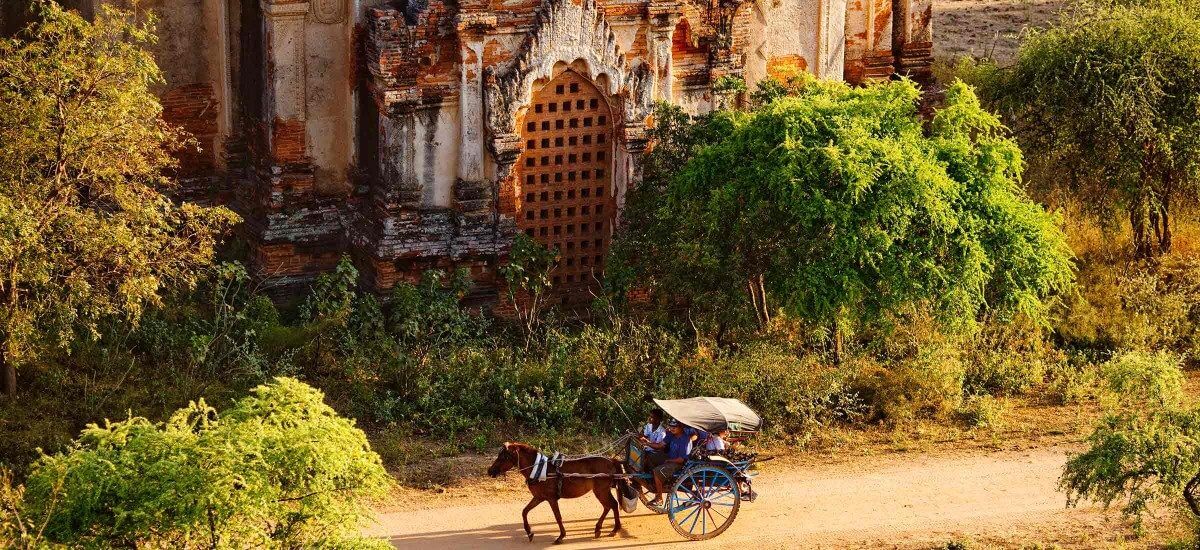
[514, 446]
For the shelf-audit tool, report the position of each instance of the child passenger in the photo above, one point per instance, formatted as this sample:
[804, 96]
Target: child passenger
[716, 442]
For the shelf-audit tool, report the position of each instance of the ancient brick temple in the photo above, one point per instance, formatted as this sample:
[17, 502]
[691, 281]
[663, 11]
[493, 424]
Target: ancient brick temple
[416, 134]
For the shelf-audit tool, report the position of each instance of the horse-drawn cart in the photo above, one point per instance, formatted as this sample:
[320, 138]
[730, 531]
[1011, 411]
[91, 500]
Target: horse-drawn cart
[703, 499]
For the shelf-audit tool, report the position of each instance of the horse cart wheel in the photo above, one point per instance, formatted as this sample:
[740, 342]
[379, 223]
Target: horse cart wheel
[703, 502]
[645, 496]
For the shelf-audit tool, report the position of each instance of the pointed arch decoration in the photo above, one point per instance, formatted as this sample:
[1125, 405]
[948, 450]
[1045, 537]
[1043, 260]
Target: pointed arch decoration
[564, 31]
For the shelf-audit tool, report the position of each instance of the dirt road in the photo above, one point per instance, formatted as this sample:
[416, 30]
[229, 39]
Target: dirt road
[999, 498]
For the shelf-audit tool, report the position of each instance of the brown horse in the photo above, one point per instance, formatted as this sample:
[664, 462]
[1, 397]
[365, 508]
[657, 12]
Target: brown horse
[521, 457]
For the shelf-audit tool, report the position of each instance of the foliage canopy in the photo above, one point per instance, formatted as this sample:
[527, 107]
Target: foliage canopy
[842, 204]
[1146, 449]
[1108, 103]
[86, 231]
[278, 469]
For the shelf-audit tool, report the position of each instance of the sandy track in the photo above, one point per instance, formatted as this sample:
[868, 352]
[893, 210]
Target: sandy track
[898, 500]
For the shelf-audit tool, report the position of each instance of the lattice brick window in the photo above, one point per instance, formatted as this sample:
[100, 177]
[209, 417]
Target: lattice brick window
[564, 180]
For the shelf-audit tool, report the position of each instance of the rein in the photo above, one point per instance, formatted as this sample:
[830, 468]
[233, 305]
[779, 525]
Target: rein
[525, 471]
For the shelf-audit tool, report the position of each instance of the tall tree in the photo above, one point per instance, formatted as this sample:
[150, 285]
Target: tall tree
[839, 204]
[1109, 104]
[86, 229]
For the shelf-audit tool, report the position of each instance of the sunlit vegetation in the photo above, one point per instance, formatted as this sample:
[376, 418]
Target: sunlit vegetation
[836, 257]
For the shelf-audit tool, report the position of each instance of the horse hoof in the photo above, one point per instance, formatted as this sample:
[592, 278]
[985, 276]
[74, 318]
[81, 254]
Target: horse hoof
[558, 540]
[530, 535]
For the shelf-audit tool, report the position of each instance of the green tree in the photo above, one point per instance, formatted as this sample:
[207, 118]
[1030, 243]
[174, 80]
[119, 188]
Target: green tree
[527, 281]
[1146, 448]
[86, 231]
[839, 204]
[1107, 102]
[278, 469]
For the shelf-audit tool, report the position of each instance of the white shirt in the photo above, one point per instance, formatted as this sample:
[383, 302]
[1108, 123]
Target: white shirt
[653, 434]
[715, 443]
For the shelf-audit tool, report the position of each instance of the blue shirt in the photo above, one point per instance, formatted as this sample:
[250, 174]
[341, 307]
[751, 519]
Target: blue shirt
[680, 447]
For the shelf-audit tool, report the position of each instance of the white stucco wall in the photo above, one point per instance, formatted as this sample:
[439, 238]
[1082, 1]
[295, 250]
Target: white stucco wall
[330, 102]
[436, 136]
[792, 29]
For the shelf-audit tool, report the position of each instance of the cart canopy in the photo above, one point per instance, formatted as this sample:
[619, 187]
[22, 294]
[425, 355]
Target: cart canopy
[712, 414]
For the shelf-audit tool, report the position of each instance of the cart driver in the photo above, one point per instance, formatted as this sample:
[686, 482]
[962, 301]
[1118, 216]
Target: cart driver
[654, 431]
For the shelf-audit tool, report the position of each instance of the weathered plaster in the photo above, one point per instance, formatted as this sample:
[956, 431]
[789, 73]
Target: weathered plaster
[564, 32]
[329, 101]
[443, 85]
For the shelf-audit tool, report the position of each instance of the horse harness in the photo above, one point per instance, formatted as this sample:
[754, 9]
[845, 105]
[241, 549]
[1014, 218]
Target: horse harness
[545, 467]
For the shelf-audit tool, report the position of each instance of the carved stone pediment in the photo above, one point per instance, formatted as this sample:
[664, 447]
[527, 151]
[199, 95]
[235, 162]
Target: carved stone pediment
[564, 32]
[329, 11]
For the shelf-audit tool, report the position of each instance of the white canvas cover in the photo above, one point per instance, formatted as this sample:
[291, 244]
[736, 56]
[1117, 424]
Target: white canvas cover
[712, 414]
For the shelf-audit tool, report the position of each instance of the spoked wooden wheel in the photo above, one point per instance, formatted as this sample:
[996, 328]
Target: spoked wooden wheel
[703, 502]
[645, 496]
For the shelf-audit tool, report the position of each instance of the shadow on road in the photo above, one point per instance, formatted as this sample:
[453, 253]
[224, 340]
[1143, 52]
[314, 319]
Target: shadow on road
[512, 535]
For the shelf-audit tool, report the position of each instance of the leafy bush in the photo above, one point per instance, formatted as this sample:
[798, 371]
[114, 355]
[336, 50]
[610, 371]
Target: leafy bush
[429, 314]
[1006, 359]
[925, 381]
[215, 331]
[1000, 373]
[1137, 458]
[278, 469]
[1147, 446]
[1072, 380]
[982, 411]
[1137, 377]
[838, 204]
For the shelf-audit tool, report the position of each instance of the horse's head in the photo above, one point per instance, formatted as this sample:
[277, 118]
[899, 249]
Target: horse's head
[507, 459]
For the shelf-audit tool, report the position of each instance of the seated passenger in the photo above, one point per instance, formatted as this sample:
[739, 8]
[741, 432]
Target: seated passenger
[716, 441]
[678, 444]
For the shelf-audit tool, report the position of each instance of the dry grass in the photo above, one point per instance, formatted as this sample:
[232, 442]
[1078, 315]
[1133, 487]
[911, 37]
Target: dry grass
[988, 28]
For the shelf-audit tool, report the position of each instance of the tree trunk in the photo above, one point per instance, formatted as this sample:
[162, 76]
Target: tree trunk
[837, 342]
[762, 299]
[754, 301]
[1189, 494]
[1164, 237]
[8, 376]
[1142, 244]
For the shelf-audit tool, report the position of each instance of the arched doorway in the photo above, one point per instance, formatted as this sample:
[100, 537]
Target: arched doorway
[564, 181]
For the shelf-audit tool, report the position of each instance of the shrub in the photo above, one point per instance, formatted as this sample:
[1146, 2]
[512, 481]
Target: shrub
[1138, 377]
[429, 314]
[278, 469]
[1073, 380]
[926, 383]
[1137, 458]
[982, 411]
[1146, 449]
[1000, 373]
[794, 392]
[1005, 359]
[13, 530]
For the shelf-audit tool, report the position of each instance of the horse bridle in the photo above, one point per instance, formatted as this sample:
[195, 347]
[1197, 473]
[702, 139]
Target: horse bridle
[517, 461]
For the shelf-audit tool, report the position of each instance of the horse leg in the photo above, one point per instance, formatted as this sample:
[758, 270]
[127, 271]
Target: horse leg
[616, 506]
[525, 515]
[562, 531]
[604, 497]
